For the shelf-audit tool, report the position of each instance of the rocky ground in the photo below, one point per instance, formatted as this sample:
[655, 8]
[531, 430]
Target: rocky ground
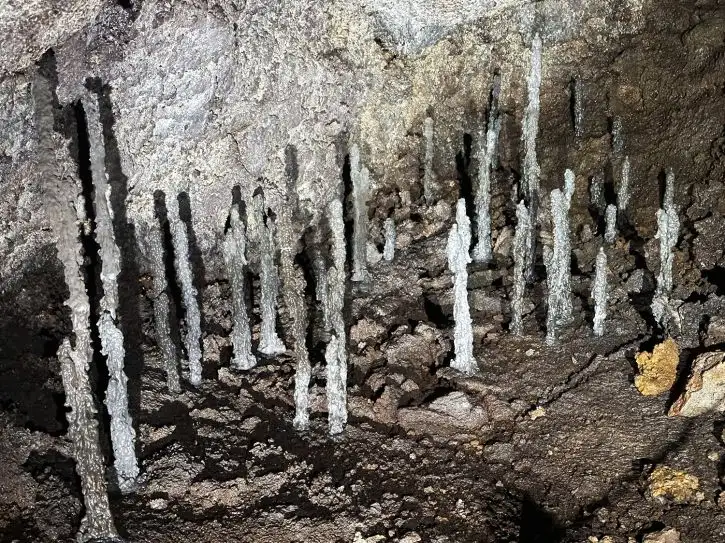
[549, 444]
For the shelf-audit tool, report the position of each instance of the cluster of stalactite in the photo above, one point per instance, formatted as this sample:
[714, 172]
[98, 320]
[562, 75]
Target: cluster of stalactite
[263, 237]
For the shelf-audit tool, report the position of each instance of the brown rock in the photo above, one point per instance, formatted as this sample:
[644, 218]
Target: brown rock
[705, 389]
[658, 369]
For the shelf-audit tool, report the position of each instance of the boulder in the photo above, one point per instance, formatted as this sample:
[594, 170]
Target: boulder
[705, 389]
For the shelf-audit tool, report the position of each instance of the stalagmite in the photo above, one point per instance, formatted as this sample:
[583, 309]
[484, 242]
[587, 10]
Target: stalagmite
[269, 343]
[668, 228]
[459, 243]
[428, 174]
[160, 300]
[558, 265]
[389, 233]
[624, 189]
[336, 353]
[610, 224]
[531, 170]
[599, 293]
[360, 193]
[123, 435]
[74, 360]
[521, 235]
[236, 262]
[486, 155]
[293, 291]
[182, 264]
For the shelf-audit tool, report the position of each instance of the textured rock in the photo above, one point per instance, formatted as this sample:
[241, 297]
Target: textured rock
[668, 535]
[29, 27]
[453, 415]
[705, 389]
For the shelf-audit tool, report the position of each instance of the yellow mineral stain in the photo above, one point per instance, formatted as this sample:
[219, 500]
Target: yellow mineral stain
[672, 484]
[658, 369]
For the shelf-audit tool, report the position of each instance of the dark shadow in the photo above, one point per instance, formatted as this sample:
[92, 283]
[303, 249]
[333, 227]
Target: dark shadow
[596, 206]
[237, 202]
[610, 193]
[537, 525]
[129, 292]
[435, 315]
[716, 278]
[29, 341]
[465, 183]
[662, 184]
[348, 204]
[573, 98]
[292, 172]
[254, 296]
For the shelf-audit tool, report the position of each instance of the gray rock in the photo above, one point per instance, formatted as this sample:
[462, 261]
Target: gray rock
[30, 27]
[705, 389]
[454, 415]
[668, 535]
[639, 281]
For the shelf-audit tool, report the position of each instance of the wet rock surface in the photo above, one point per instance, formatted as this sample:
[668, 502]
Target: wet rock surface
[543, 443]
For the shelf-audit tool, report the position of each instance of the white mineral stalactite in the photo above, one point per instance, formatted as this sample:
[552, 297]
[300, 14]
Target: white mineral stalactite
[482, 252]
[521, 235]
[161, 305]
[610, 224]
[558, 265]
[668, 230]
[336, 352]
[389, 233]
[428, 174]
[123, 436]
[457, 249]
[624, 192]
[182, 264]
[269, 344]
[531, 170]
[74, 360]
[596, 193]
[360, 194]
[617, 136]
[578, 90]
[236, 262]
[293, 291]
[600, 293]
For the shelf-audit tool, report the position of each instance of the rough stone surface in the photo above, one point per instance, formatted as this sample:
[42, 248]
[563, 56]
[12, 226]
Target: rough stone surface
[668, 535]
[705, 388]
